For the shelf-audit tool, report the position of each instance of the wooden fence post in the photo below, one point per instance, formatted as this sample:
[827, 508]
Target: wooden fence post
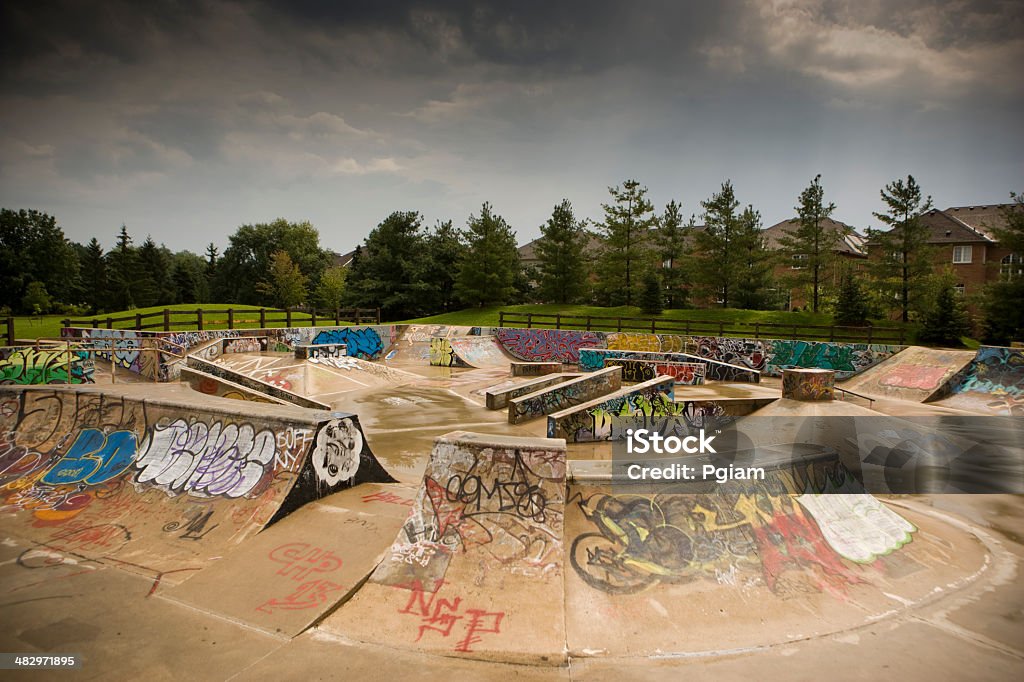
[138, 320]
[529, 320]
[231, 318]
[501, 318]
[10, 329]
[312, 317]
[110, 323]
[558, 321]
[199, 318]
[263, 318]
[588, 323]
[359, 318]
[288, 317]
[167, 319]
[337, 316]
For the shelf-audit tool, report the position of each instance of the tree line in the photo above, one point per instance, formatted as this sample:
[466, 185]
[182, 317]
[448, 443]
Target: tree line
[632, 256]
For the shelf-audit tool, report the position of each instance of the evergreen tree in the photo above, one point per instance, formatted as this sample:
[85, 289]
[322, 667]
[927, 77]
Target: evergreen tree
[812, 240]
[947, 320]
[124, 273]
[672, 253]
[385, 275]
[563, 270]
[155, 287]
[1002, 309]
[210, 273]
[851, 305]
[444, 250]
[625, 255]
[487, 274]
[652, 298]
[718, 263]
[904, 262]
[753, 267]
[94, 276]
[285, 285]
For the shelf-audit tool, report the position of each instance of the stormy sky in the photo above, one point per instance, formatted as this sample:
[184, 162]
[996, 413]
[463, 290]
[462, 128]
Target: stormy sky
[184, 120]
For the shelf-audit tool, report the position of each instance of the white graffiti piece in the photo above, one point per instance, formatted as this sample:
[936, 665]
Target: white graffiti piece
[336, 362]
[858, 527]
[206, 460]
[337, 450]
[419, 553]
[291, 442]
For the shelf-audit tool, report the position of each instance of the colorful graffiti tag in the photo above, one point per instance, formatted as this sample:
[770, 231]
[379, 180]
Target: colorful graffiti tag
[550, 345]
[26, 366]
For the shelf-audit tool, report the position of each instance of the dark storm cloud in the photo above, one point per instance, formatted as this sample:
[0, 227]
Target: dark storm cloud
[343, 112]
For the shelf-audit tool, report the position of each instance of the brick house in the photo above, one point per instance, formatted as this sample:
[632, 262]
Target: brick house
[962, 239]
[850, 249]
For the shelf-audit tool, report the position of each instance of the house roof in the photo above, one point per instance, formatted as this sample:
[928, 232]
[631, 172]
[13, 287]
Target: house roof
[982, 219]
[528, 251]
[965, 224]
[852, 243]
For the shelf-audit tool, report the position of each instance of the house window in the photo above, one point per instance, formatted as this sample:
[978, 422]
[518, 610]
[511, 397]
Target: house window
[798, 263]
[961, 254]
[960, 289]
[1011, 267]
[667, 263]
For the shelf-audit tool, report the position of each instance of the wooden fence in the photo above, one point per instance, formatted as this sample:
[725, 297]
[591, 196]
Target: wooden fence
[8, 336]
[229, 318]
[750, 330]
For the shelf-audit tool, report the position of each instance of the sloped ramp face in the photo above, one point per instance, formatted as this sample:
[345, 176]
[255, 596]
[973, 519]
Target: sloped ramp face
[992, 383]
[476, 570]
[160, 486]
[915, 373]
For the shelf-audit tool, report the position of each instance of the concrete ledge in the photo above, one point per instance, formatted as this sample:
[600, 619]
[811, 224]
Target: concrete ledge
[208, 384]
[565, 394]
[223, 372]
[594, 358]
[245, 344]
[321, 350]
[532, 369]
[808, 384]
[498, 397]
[684, 373]
[631, 406]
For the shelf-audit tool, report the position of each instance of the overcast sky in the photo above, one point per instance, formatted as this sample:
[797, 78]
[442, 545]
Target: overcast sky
[184, 120]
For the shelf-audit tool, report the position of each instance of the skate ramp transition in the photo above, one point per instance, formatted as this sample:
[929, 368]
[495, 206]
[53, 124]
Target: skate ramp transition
[163, 486]
[992, 383]
[915, 373]
[481, 352]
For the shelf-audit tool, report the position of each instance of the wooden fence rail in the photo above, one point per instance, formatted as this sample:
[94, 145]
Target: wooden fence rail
[166, 319]
[8, 335]
[754, 330]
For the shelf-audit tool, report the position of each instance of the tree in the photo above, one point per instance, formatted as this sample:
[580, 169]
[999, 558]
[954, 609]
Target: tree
[672, 253]
[947, 320]
[94, 275]
[563, 272]
[188, 273]
[286, 285]
[851, 305]
[33, 249]
[487, 273]
[124, 274]
[718, 263]
[36, 300]
[385, 275]
[155, 286]
[753, 267]
[623, 259]
[1001, 306]
[248, 257]
[444, 250]
[812, 241]
[652, 298]
[904, 257]
[210, 272]
[331, 288]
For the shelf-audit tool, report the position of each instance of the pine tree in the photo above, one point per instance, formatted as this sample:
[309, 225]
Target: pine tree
[123, 273]
[625, 255]
[672, 253]
[487, 274]
[851, 305]
[155, 286]
[947, 320]
[652, 297]
[386, 275]
[563, 270]
[812, 240]
[904, 261]
[754, 262]
[718, 263]
[210, 273]
[444, 250]
[94, 276]
[1004, 314]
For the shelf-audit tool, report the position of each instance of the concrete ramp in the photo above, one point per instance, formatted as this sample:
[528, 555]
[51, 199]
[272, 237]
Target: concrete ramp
[564, 395]
[413, 344]
[298, 570]
[481, 352]
[993, 383]
[915, 373]
[163, 486]
[476, 570]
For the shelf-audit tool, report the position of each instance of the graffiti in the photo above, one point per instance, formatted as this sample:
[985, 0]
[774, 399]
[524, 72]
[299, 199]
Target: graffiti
[534, 369]
[677, 538]
[337, 451]
[999, 371]
[551, 345]
[501, 503]
[846, 359]
[594, 359]
[440, 616]
[94, 457]
[362, 343]
[637, 371]
[199, 459]
[27, 366]
[196, 528]
[477, 351]
[808, 384]
[747, 353]
[858, 527]
[245, 344]
[443, 355]
[290, 442]
[388, 498]
[915, 376]
[685, 373]
[341, 362]
[656, 343]
[104, 539]
[323, 351]
[653, 410]
[301, 559]
[564, 395]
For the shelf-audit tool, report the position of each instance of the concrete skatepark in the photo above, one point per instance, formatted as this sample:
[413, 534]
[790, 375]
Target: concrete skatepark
[325, 503]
